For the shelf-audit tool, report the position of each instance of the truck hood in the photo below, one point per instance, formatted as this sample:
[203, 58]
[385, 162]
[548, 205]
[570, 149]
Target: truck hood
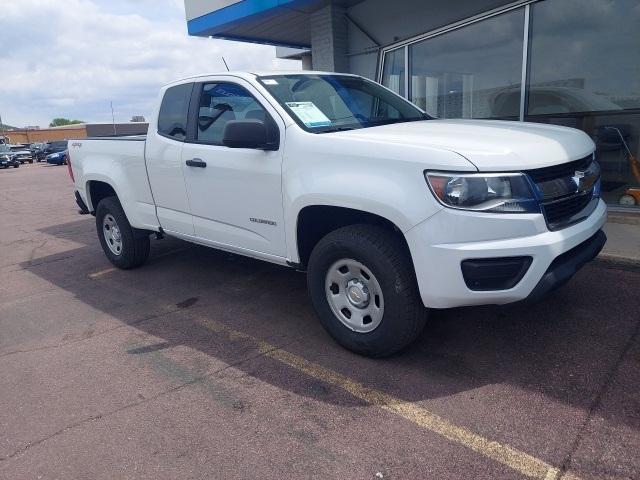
[491, 145]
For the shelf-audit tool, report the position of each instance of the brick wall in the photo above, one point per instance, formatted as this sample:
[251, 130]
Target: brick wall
[45, 134]
[329, 39]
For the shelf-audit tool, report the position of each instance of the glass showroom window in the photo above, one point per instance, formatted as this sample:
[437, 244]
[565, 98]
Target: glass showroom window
[471, 72]
[584, 72]
[393, 74]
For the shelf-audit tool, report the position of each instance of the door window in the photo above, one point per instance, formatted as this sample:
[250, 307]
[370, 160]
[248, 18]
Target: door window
[221, 103]
[172, 118]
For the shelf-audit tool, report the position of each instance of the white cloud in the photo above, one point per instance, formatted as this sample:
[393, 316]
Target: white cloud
[71, 58]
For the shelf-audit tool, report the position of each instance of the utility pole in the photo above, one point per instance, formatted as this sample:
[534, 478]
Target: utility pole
[113, 120]
[2, 127]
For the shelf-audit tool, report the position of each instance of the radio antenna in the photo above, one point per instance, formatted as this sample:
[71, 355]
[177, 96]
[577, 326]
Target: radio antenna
[225, 64]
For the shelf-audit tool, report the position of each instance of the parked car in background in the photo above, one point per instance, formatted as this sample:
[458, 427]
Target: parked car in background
[55, 152]
[55, 147]
[23, 154]
[58, 158]
[38, 151]
[7, 157]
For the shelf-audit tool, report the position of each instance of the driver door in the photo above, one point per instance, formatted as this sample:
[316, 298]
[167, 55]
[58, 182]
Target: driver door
[235, 194]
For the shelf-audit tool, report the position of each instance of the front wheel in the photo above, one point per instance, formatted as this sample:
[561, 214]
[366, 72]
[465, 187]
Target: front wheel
[126, 247]
[363, 288]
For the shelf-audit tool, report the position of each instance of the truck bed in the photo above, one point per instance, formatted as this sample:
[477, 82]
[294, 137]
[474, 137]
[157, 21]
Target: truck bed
[121, 160]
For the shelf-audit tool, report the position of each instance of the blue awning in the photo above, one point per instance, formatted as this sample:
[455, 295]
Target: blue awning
[275, 22]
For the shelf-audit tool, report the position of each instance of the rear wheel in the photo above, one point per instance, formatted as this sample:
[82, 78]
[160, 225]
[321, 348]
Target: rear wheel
[364, 290]
[126, 247]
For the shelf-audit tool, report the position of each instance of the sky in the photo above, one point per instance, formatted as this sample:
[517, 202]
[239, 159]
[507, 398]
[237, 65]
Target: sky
[71, 58]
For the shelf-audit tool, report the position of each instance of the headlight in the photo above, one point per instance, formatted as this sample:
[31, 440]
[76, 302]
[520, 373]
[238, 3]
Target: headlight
[498, 193]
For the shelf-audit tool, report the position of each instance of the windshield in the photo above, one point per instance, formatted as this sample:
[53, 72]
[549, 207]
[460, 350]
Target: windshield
[4, 148]
[329, 103]
[58, 146]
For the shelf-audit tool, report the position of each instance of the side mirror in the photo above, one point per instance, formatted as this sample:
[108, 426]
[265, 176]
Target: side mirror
[248, 134]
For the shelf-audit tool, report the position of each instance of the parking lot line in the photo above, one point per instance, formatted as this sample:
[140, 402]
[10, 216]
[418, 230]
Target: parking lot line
[101, 272]
[517, 460]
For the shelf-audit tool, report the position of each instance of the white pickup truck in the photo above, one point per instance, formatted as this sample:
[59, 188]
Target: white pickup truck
[390, 211]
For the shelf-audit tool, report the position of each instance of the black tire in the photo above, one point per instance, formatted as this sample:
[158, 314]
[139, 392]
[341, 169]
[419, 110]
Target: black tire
[135, 243]
[31, 161]
[16, 165]
[384, 254]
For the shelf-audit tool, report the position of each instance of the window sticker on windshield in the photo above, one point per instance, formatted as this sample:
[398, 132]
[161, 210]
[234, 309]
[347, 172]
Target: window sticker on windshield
[309, 114]
[269, 81]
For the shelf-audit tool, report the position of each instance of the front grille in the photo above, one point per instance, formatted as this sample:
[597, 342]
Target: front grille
[564, 197]
[558, 171]
[561, 212]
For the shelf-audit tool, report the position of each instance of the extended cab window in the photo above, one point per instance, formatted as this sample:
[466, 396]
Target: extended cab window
[221, 103]
[172, 119]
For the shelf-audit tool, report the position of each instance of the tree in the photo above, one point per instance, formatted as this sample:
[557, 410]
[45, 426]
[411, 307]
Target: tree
[137, 118]
[59, 122]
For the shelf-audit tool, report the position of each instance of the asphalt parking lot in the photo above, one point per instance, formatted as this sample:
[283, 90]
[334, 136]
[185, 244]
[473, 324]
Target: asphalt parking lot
[203, 364]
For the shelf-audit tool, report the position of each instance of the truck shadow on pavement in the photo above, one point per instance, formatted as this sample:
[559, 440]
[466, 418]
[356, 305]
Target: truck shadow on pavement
[567, 348]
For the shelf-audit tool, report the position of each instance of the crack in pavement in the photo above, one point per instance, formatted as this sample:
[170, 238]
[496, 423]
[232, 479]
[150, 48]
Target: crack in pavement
[89, 337]
[177, 388]
[176, 308]
[595, 404]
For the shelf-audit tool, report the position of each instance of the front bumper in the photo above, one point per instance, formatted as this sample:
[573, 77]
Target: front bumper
[566, 265]
[441, 243]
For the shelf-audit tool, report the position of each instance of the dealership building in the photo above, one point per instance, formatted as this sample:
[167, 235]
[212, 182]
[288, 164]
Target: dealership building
[564, 62]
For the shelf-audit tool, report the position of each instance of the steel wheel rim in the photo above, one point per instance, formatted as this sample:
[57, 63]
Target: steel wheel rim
[354, 295]
[112, 234]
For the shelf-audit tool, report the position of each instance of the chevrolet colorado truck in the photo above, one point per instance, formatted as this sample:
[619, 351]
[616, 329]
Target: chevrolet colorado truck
[389, 211]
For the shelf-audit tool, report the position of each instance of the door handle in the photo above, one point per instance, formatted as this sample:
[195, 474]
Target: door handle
[196, 162]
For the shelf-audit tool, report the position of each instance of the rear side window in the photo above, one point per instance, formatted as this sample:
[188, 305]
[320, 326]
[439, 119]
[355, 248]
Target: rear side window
[172, 119]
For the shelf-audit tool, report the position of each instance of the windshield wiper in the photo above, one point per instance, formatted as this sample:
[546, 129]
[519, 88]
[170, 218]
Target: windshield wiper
[389, 121]
[335, 129]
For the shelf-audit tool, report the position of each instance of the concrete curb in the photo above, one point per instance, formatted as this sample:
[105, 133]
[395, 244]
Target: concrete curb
[619, 261]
